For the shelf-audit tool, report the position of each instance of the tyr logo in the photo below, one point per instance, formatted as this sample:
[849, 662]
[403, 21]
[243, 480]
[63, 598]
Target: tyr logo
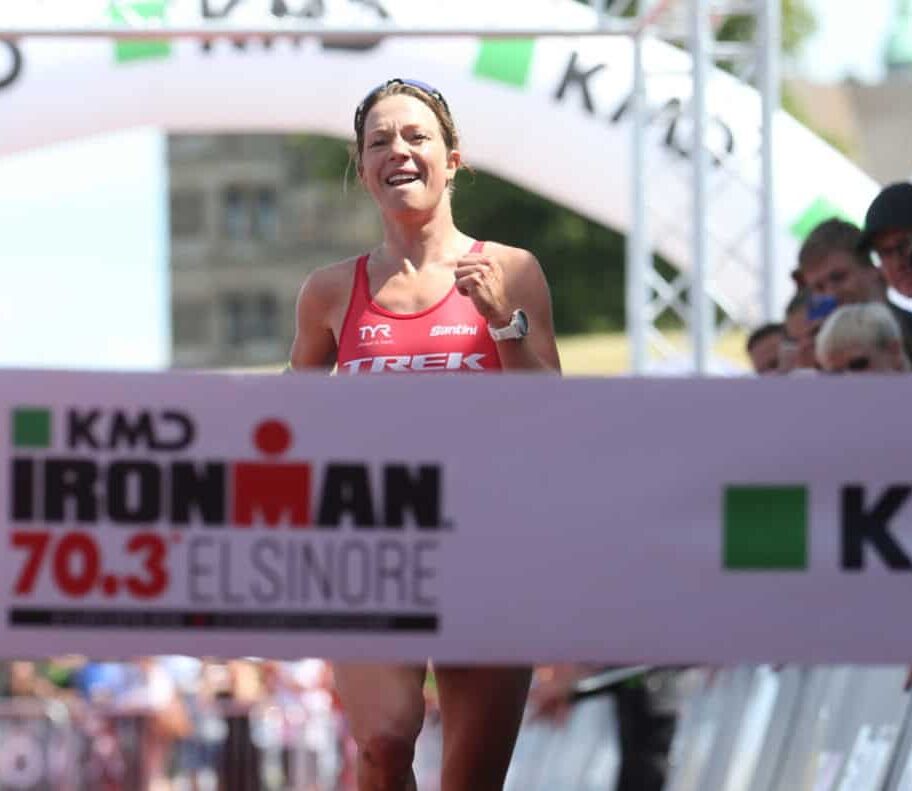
[371, 333]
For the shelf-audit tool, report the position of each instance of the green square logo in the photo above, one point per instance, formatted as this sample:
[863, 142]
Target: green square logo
[31, 427]
[821, 209]
[765, 528]
[505, 60]
[122, 12]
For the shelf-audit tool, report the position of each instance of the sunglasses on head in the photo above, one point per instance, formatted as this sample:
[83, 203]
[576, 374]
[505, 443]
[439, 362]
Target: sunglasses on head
[430, 90]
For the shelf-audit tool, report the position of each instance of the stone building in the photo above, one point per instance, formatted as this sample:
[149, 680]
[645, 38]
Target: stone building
[250, 216]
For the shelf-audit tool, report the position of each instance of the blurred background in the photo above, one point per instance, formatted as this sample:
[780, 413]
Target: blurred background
[248, 216]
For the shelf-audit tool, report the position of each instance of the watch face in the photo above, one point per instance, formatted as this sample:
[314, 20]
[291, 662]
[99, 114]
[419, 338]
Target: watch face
[522, 323]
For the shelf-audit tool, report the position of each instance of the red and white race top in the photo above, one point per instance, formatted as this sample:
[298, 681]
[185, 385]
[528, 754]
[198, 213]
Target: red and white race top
[449, 337]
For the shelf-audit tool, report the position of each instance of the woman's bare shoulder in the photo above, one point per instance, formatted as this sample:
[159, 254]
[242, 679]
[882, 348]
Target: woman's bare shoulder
[329, 283]
[517, 259]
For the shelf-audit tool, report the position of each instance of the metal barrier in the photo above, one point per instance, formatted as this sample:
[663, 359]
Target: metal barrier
[795, 729]
[740, 729]
[581, 754]
[47, 745]
[36, 746]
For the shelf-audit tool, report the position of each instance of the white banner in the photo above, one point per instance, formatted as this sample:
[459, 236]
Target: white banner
[494, 519]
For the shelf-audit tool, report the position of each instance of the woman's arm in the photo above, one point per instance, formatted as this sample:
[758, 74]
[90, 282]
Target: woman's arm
[500, 280]
[314, 344]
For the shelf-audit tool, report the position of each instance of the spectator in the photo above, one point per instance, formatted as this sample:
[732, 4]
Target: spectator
[832, 263]
[645, 720]
[861, 339]
[153, 694]
[196, 755]
[763, 348]
[888, 234]
[802, 322]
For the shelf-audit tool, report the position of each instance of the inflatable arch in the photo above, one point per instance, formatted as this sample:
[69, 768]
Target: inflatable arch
[551, 114]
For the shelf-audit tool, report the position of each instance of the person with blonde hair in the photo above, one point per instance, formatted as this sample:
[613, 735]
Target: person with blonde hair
[861, 338]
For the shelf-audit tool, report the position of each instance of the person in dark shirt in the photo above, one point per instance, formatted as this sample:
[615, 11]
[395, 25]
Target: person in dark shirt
[888, 235]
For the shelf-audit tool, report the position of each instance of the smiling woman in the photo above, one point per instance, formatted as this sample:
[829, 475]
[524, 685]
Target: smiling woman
[427, 299]
[383, 311]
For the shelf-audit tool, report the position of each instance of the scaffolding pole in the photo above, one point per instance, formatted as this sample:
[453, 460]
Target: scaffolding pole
[610, 27]
[638, 252]
[701, 309]
[768, 83]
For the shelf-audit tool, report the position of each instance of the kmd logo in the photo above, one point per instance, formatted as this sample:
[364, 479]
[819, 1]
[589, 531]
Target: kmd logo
[766, 528]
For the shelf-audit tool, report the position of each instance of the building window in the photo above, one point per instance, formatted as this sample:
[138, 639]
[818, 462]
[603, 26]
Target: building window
[250, 212]
[266, 215]
[235, 213]
[187, 210]
[251, 317]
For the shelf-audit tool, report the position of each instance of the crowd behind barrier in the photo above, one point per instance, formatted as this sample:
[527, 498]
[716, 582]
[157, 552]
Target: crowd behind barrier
[277, 726]
[849, 312]
[170, 723]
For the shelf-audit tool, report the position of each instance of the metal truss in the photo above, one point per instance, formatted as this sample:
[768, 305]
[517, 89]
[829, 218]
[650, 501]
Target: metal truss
[656, 301]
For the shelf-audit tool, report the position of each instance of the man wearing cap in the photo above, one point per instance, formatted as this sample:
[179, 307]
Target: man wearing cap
[888, 235]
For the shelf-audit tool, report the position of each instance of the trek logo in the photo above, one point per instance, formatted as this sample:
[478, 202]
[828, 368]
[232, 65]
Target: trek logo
[100, 476]
[455, 329]
[407, 363]
[373, 332]
[765, 527]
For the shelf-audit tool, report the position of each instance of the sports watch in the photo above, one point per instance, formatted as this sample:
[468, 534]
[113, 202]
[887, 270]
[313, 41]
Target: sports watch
[517, 328]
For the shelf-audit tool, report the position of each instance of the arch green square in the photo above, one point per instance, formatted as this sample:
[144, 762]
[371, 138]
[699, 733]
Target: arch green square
[505, 60]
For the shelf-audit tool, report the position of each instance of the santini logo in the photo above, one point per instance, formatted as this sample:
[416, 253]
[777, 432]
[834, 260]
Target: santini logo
[453, 329]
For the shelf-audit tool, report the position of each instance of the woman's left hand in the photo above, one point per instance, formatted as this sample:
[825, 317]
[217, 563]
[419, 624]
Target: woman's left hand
[480, 277]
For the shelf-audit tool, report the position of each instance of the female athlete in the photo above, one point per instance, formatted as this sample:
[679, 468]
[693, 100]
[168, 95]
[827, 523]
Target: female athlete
[427, 299]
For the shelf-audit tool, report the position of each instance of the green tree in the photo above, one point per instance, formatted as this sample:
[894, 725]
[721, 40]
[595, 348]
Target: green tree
[583, 260]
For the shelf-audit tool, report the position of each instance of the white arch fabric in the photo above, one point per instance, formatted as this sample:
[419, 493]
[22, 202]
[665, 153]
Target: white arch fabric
[550, 114]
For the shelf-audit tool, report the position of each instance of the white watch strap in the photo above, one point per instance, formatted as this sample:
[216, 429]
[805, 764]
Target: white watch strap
[510, 332]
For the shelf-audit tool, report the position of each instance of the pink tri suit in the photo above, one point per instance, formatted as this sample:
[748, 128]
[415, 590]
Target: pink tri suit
[449, 337]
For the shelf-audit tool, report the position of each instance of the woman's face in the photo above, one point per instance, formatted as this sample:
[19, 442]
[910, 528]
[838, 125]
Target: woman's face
[405, 164]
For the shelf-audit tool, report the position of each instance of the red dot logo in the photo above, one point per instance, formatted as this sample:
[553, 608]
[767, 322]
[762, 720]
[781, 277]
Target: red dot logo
[272, 437]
